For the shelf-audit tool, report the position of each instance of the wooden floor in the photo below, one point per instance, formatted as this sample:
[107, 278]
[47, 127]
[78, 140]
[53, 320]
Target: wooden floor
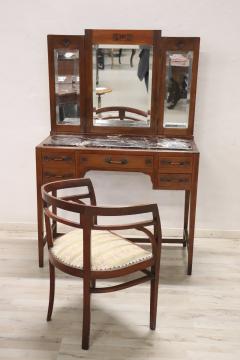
[198, 316]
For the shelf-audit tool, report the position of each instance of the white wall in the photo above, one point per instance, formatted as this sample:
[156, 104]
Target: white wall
[25, 103]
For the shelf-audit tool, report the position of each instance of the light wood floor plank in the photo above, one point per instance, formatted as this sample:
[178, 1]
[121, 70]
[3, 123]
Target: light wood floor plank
[198, 316]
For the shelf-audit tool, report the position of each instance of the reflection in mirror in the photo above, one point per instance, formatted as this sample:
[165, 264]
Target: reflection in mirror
[178, 86]
[122, 81]
[66, 63]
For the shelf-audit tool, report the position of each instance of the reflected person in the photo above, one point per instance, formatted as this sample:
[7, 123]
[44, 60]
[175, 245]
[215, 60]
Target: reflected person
[143, 65]
[174, 93]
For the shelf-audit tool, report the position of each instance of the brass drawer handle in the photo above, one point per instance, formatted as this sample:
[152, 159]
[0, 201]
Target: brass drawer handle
[181, 180]
[118, 162]
[177, 163]
[61, 158]
[165, 179]
[63, 176]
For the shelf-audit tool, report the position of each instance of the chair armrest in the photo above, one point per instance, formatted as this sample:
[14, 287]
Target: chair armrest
[155, 237]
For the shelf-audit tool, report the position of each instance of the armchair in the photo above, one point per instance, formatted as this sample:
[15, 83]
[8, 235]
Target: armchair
[95, 252]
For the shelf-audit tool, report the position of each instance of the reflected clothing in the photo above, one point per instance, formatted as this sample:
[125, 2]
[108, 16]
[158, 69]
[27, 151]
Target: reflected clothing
[174, 93]
[143, 65]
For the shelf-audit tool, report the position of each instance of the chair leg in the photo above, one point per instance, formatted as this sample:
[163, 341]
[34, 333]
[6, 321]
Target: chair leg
[93, 283]
[154, 299]
[86, 314]
[52, 290]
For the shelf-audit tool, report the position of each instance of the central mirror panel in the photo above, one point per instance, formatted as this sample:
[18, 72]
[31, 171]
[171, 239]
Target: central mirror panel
[122, 85]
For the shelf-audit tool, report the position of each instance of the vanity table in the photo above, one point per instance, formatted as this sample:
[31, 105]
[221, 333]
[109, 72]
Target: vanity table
[145, 124]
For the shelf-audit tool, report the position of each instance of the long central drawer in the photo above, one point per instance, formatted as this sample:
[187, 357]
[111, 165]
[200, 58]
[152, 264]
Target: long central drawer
[115, 162]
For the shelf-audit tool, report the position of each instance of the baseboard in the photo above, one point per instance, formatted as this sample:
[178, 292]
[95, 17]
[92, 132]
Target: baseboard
[170, 232]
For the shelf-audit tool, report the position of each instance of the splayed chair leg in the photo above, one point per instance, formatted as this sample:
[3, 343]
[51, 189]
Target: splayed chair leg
[52, 291]
[86, 314]
[154, 299]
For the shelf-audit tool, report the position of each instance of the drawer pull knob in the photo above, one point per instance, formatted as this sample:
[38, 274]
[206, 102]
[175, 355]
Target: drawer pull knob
[184, 180]
[148, 161]
[61, 158]
[165, 179]
[118, 162]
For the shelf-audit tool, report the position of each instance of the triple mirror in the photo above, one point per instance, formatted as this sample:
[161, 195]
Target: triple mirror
[119, 81]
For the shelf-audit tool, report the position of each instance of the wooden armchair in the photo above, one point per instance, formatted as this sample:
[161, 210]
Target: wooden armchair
[93, 251]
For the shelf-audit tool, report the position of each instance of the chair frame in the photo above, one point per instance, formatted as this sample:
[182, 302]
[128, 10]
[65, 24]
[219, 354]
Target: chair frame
[88, 222]
[122, 113]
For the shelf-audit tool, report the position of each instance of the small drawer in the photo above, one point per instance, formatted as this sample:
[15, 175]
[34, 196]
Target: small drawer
[57, 174]
[174, 181]
[116, 162]
[67, 158]
[175, 163]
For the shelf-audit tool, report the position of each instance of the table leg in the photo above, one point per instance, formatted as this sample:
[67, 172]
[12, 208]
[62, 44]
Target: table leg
[39, 207]
[40, 228]
[192, 213]
[186, 214]
[54, 223]
[99, 101]
[132, 55]
[119, 56]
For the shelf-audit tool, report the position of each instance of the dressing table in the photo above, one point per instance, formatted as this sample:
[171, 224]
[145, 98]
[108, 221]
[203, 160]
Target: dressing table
[144, 124]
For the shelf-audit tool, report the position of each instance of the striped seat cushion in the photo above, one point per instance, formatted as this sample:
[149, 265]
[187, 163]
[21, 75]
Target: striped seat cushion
[108, 251]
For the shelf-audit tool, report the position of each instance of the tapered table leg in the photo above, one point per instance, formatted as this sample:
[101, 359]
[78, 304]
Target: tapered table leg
[192, 213]
[186, 214]
[54, 223]
[40, 229]
[39, 208]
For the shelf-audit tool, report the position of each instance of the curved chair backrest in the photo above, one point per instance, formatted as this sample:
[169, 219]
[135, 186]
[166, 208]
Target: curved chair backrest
[72, 202]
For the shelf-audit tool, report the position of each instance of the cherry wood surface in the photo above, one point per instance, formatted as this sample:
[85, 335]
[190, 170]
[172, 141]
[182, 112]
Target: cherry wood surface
[85, 92]
[168, 169]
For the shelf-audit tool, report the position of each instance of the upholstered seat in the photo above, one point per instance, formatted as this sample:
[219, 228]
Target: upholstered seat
[108, 251]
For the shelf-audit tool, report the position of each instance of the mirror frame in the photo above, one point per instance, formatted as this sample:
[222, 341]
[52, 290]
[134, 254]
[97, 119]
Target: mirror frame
[178, 44]
[84, 44]
[120, 37]
[68, 42]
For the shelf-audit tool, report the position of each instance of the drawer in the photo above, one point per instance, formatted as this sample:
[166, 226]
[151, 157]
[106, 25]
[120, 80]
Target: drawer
[58, 158]
[174, 181]
[115, 162]
[54, 174]
[175, 164]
